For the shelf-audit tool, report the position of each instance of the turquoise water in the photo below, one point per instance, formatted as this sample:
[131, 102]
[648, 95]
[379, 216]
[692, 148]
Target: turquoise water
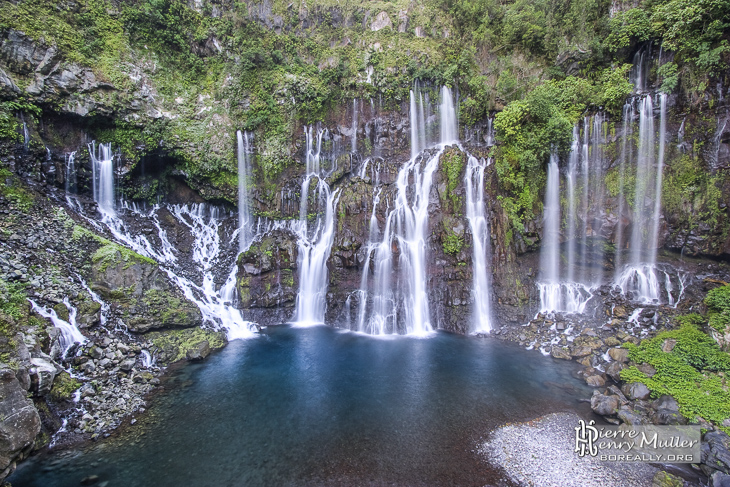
[318, 406]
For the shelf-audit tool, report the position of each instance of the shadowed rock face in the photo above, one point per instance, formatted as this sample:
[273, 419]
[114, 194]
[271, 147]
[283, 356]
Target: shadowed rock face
[19, 425]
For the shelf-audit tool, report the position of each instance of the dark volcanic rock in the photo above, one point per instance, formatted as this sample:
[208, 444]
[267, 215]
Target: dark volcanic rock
[20, 424]
[198, 351]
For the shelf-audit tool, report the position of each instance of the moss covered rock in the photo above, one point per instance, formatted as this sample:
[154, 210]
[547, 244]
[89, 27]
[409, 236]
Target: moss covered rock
[174, 345]
[140, 290]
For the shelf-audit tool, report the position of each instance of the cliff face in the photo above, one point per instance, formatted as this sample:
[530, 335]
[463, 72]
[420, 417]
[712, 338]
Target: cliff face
[170, 83]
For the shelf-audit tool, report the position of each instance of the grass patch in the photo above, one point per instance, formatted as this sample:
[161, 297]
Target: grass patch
[694, 372]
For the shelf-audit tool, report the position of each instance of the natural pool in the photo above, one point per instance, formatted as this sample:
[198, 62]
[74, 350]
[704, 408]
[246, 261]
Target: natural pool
[318, 406]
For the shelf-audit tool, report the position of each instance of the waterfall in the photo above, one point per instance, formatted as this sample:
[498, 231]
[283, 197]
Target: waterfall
[70, 333]
[479, 226]
[639, 277]
[397, 293]
[70, 178]
[102, 165]
[626, 155]
[215, 305]
[555, 294]
[640, 70]
[315, 241]
[353, 141]
[26, 137]
[489, 138]
[571, 181]
[415, 129]
[245, 222]
[550, 248]
[449, 122]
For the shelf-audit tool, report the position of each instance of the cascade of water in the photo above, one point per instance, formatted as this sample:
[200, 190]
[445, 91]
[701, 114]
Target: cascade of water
[714, 153]
[550, 248]
[401, 286]
[26, 137]
[449, 122]
[479, 226]
[70, 333]
[572, 214]
[585, 172]
[658, 179]
[353, 142]
[70, 178]
[105, 308]
[556, 295]
[627, 131]
[147, 359]
[489, 138]
[414, 127]
[245, 222]
[596, 165]
[640, 276]
[102, 164]
[640, 70]
[314, 243]
[138, 242]
[214, 305]
[372, 245]
[643, 191]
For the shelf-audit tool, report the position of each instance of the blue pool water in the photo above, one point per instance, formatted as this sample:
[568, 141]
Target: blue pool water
[318, 406]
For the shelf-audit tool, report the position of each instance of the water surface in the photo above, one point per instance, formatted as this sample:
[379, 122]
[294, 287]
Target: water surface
[318, 406]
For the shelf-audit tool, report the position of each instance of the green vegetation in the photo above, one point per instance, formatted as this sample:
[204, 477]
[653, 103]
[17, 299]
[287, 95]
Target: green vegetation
[63, 387]
[691, 195]
[718, 307]
[694, 372]
[14, 309]
[112, 254]
[452, 163]
[12, 189]
[452, 243]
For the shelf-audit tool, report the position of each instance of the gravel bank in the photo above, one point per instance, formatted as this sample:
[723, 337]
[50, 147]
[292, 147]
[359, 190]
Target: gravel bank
[540, 453]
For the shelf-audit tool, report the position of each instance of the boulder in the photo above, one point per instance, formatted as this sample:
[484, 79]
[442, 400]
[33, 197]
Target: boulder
[619, 354]
[381, 21]
[668, 345]
[21, 423]
[614, 370]
[604, 405]
[631, 417]
[42, 374]
[595, 381]
[127, 365]
[719, 479]
[580, 351]
[716, 451]
[559, 352]
[668, 416]
[666, 402]
[142, 290]
[198, 351]
[636, 390]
